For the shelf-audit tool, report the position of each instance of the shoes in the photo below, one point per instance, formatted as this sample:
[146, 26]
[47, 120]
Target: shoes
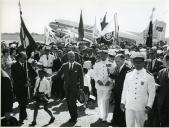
[33, 123]
[72, 120]
[20, 122]
[104, 121]
[52, 120]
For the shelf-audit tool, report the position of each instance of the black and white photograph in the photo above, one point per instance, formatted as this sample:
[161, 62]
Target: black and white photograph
[84, 63]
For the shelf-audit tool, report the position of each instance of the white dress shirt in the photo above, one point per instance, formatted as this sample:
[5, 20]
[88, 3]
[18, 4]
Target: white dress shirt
[44, 85]
[139, 90]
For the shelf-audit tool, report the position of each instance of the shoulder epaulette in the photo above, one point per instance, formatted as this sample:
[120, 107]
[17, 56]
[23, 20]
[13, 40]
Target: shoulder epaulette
[149, 72]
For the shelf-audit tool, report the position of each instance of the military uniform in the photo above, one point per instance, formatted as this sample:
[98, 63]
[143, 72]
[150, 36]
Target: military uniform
[103, 92]
[138, 92]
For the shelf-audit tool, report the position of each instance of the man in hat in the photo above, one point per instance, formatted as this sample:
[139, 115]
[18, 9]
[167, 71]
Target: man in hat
[47, 60]
[103, 84]
[138, 93]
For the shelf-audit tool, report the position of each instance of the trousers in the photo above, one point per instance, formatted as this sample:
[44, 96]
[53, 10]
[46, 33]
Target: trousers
[135, 118]
[103, 97]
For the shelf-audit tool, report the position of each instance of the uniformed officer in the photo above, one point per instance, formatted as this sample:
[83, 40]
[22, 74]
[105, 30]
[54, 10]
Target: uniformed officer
[138, 93]
[47, 60]
[103, 84]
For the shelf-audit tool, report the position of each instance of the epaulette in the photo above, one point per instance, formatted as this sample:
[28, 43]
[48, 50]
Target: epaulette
[149, 72]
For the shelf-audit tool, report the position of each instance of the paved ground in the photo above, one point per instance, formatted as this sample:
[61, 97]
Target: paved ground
[86, 118]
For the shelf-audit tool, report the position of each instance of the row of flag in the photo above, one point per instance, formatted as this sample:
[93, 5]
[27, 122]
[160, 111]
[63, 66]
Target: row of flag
[105, 33]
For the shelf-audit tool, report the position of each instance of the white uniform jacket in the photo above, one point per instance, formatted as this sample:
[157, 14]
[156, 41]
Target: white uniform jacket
[47, 63]
[138, 90]
[100, 73]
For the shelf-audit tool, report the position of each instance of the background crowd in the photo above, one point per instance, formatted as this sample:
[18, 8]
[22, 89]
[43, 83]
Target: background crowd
[104, 70]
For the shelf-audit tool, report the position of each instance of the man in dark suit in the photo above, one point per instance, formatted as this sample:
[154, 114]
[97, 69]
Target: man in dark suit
[20, 83]
[57, 85]
[73, 81]
[118, 76]
[163, 94]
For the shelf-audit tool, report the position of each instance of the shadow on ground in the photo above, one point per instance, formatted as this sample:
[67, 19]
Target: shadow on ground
[99, 123]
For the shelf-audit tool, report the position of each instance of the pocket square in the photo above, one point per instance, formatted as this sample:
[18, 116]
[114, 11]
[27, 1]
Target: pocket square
[75, 71]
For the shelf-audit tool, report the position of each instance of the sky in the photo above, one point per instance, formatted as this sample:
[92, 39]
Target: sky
[133, 15]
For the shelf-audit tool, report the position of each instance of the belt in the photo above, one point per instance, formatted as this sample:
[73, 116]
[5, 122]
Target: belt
[48, 67]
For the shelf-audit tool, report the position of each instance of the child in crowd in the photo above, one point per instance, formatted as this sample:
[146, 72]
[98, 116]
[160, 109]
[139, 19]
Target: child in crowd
[87, 86]
[41, 90]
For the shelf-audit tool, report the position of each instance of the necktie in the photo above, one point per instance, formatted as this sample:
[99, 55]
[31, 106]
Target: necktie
[37, 90]
[47, 57]
[23, 65]
[71, 66]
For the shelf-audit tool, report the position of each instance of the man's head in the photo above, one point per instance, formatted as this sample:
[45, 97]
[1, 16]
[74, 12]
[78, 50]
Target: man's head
[119, 59]
[138, 60]
[22, 57]
[41, 73]
[47, 50]
[166, 60]
[103, 55]
[71, 56]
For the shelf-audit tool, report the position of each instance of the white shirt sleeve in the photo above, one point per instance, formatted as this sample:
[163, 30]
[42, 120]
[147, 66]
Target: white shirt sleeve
[151, 91]
[125, 87]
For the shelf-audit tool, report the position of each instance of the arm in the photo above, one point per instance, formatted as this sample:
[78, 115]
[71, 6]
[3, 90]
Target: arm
[151, 92]
[81, 77]
[125, 87]
[59, 73]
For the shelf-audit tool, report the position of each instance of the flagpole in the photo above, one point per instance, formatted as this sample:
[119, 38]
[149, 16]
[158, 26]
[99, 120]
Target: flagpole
[27, 77]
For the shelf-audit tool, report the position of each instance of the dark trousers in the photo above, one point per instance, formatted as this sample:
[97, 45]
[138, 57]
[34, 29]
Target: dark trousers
[164, 114]
[118, 115]
[72, 107]
[22, 101]
[37, 104]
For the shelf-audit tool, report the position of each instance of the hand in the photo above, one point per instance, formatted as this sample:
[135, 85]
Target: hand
[49, 78]
[107, 83]
[100, 82]
[7, 115]
[122, 106]
[27, 85]
[147, 109]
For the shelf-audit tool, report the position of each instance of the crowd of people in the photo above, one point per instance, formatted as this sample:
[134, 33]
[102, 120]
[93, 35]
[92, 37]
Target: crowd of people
[135, 80]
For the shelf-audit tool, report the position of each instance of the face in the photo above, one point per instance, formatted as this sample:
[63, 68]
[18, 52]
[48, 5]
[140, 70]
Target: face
[166, 63]
[103, 56]
[111, 58]
[41, 74]
[119, 61]
[23, 58]
[138, 63]
[71, 57]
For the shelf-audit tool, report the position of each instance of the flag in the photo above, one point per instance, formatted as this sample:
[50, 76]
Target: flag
[28, 43]
[81, 29]
[103, 23]
[149, 39]
[96, 30]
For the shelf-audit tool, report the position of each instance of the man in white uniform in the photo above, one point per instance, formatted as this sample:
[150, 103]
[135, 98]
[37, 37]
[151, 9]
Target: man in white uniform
[138, 93]
[103, 85]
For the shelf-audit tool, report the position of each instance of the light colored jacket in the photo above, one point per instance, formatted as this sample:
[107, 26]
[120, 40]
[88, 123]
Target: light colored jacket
[138, 90]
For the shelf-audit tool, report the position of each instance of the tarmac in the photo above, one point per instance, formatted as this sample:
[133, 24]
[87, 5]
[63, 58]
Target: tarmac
[88, 117]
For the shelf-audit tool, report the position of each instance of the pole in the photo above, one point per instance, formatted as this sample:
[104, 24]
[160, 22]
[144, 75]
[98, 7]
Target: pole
[24, 45]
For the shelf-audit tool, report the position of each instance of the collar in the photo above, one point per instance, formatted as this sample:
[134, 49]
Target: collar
[139, 71]
[121, 67]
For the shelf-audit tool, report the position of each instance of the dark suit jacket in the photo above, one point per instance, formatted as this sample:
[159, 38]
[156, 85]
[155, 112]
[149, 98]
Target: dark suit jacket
[19, 77]
[56, 64]
[72, 79]
[6, 95]
[119, 80]
[163, 80]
